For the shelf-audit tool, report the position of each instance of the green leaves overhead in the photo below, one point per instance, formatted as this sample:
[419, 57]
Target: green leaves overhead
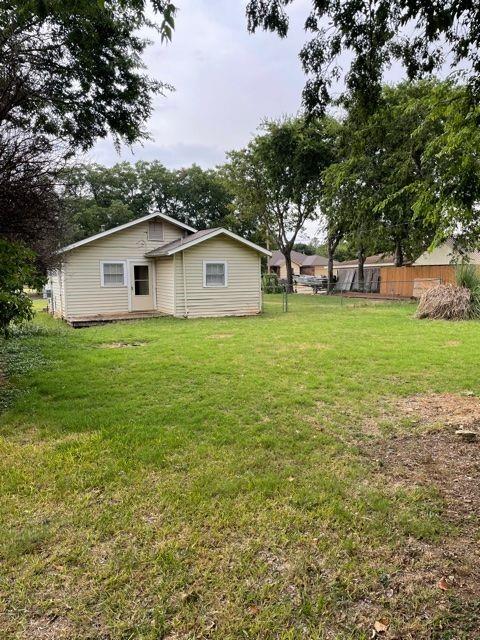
[409, 173]
[370, 35]
[72, 68]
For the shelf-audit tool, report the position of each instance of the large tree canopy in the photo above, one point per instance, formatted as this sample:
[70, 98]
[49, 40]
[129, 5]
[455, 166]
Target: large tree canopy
[72, 68]
[277, 179]
[98, 198]
[408, 174]
[30, 207]
[371, 34]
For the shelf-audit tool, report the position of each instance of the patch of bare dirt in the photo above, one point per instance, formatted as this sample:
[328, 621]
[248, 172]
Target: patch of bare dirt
[121, 345]
[305, 346]
[450, 409]
[221, 336]
[452, 466]
[453, 343]
[450, 568]
[49, 627]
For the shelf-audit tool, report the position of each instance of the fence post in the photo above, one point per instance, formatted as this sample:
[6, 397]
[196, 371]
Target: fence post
[285, 298]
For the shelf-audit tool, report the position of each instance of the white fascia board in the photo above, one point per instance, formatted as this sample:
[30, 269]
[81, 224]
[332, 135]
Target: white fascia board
[217, 232]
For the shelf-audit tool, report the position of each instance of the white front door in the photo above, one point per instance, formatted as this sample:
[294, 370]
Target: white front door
[141, 286]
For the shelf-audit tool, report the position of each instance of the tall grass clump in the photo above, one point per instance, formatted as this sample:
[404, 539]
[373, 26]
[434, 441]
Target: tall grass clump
[468, 277]
[444, 302]
[453, 302]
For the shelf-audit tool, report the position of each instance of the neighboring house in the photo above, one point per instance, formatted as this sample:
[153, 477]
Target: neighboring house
[301, 264]
[446, 254]
[157, 265]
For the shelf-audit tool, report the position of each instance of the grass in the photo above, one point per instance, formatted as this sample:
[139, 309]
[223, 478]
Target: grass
[212, 482]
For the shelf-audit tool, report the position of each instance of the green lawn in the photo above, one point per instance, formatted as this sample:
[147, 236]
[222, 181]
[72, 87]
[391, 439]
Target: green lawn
[220, 479]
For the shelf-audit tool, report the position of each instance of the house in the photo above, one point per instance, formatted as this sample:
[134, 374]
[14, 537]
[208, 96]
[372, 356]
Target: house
[156, 265]
[445, 254]
[302, 264]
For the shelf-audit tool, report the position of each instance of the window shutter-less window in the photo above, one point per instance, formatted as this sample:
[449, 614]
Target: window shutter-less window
[113, 274]
[215, 274]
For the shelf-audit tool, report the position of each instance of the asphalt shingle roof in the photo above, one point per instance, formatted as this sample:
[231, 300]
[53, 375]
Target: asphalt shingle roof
[302, 259]
[165, 248]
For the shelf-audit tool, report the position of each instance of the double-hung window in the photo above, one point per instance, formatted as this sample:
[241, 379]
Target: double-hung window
[215, 274]
[113, 274]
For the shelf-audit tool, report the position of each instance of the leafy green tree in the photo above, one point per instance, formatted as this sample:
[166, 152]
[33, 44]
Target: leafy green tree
[30, 208]
[70, 72]
[99, 198]
[421, 34]
[343, 251]
[304, 247]
[390, 167]
[72, 68]
[17, 271]
[389, 146]
[277, 179]
[448, 195]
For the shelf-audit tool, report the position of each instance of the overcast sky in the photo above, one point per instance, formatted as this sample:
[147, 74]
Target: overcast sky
[226, 81]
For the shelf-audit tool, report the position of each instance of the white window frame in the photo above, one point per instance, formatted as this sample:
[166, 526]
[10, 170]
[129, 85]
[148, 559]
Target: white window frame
[102, 275]
[160, 222]
[215, 286]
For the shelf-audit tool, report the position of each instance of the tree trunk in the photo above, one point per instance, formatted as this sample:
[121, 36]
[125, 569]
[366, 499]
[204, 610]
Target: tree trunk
[332, 244]
[361, 271]
[398, 254]
[288, 265]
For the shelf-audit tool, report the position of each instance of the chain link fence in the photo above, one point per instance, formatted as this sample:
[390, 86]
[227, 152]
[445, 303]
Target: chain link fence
[391, 290]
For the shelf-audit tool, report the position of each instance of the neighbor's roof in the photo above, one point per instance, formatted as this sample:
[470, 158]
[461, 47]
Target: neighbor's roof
[378, 260]
[121, 227]
[302, 259]
[200, 236]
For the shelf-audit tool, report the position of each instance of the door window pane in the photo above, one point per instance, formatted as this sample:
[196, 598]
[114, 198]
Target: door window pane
[141, 280]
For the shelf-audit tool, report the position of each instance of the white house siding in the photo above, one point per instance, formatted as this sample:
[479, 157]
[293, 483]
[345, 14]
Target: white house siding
[57, 284]
[164, 268]
[84, 294]
[242, 296]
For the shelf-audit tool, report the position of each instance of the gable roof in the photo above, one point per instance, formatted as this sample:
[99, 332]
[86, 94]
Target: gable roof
[121, 227]
[315, 260]
[378, 260]
[302, 259]
[200, 236]
[447, 254]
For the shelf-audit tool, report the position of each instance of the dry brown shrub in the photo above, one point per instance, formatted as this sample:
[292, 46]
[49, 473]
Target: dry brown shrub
[445, 302]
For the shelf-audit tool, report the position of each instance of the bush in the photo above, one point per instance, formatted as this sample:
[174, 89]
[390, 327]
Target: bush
[17, 271]
[271, 283]
[467, 276]
[445, 302]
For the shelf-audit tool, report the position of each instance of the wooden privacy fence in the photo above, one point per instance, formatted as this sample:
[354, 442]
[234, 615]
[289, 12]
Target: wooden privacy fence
[410, 281]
